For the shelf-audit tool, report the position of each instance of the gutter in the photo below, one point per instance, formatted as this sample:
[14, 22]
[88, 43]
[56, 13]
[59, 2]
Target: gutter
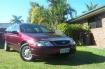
[88, 14]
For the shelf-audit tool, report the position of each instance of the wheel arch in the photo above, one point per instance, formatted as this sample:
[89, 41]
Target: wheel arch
[23, 43]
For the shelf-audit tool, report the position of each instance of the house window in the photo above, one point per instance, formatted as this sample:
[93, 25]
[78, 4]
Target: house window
[95, 22]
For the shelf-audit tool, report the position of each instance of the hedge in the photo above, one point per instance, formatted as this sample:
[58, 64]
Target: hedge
[73, 30]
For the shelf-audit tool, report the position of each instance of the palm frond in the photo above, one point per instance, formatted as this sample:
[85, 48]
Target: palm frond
[16, 19]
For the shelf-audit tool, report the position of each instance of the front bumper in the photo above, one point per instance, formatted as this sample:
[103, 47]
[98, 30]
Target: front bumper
[50, 51]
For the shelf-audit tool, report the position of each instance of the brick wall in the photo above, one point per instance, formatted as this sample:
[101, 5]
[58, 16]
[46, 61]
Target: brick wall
[99, 34]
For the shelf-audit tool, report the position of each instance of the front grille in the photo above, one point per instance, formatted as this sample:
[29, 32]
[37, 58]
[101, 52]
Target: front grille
[61, 43]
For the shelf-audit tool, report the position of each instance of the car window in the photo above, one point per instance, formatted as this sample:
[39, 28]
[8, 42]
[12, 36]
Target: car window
[9, 29]
[14, 27]
[33, 29]
[30, 29]
[45, 30]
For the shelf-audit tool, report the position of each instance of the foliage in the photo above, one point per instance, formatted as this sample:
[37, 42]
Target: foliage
[85, 26]
[56, 13]
[91, 6]
[72, 30]
[16, 19]
[60, 8]
[36, 13]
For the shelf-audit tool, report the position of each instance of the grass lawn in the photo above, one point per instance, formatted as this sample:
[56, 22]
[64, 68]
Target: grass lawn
[85, 58]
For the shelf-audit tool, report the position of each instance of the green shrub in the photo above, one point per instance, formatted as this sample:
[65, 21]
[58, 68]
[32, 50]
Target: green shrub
[73, 30]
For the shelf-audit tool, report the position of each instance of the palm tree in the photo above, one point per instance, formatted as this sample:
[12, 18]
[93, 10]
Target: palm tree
[91, 6]
[72, 12]
[16, 19]
[61, 8]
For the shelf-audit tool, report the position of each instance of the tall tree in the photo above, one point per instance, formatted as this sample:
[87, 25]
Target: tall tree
[59, 9]
[16, 19]
[72, 12]
[55, 13]
[37, 13]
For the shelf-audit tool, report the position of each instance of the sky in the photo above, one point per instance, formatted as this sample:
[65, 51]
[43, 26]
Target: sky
[21, 7]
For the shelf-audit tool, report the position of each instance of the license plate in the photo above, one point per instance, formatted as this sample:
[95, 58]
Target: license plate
[64, 50]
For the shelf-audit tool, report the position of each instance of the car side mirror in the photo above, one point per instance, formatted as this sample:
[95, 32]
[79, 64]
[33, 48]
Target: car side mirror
[15, 32]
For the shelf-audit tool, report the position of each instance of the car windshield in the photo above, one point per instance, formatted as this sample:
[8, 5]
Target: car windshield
[30, 28]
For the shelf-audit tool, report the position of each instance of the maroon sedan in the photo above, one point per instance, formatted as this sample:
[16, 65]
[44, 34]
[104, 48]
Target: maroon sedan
[35, 41]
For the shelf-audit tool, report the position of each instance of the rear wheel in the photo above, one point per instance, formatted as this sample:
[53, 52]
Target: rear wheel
[6, 47]
[25, 53]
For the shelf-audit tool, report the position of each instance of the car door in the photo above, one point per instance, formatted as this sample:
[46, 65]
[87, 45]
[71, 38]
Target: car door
[8, 35]
[13, 38]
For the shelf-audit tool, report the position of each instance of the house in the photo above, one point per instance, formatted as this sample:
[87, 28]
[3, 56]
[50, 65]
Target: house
[96, 21]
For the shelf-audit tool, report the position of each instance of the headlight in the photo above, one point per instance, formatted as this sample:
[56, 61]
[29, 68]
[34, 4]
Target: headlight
[43, 43]
[40, 43]
[72, 42]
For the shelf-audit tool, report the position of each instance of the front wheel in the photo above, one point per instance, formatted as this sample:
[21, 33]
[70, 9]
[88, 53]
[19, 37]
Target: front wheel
[6, 47]
[25, 53]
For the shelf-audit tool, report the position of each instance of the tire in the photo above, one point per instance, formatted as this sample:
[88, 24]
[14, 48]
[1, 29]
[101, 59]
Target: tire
[6, 47]
[25, 53]
[73, 51]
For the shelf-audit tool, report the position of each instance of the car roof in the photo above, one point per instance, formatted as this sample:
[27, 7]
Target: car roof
[21, 24]
[24, 24]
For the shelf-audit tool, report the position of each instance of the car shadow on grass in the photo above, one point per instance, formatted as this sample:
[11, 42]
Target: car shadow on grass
[80, 58]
